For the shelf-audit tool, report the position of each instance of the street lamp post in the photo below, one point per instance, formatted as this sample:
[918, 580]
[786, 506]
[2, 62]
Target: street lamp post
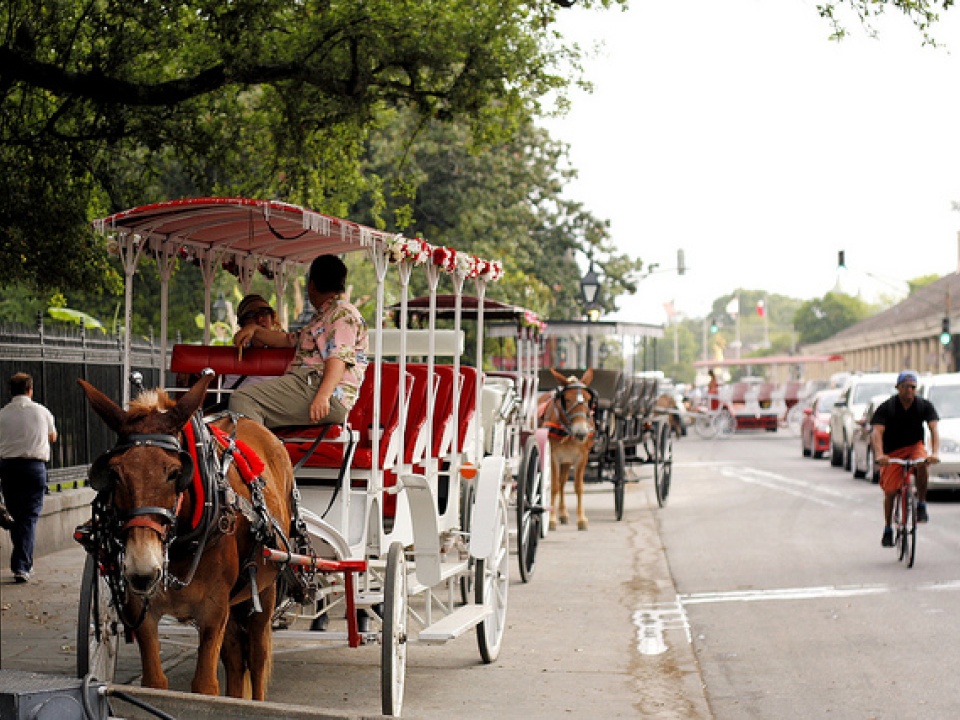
[589, 290]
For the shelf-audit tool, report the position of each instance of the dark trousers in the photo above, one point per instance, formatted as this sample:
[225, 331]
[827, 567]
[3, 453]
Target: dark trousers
[24, 483]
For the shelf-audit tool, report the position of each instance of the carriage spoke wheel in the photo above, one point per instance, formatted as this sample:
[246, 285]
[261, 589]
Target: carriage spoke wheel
[393, 648]
[98, 626]
[492, 584]
[620, 478]
[546, 486]
[530, 505]
[663, 467]
[468, 496]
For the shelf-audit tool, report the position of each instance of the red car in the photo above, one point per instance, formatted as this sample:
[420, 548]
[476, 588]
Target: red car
[815, 426]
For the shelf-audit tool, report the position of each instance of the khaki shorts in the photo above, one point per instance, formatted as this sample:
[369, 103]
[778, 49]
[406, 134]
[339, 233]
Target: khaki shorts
[285, 400]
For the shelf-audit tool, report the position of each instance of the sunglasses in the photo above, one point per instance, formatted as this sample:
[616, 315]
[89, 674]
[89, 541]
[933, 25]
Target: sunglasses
[255, 315]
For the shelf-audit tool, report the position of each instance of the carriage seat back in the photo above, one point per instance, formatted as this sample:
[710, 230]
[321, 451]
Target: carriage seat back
[226, 360]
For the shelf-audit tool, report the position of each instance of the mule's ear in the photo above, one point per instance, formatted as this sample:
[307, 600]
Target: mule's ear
[111, 413]
[587, 377]
[187, 405]
[561, 380]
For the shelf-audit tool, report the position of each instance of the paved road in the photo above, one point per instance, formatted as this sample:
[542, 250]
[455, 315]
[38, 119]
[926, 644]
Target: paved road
[795, 609]
[572, 647]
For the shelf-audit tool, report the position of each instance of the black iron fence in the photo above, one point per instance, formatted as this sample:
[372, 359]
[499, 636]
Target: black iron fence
[56, 358]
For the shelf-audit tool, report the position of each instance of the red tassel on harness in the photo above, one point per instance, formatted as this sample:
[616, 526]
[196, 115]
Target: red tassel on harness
[246, 459]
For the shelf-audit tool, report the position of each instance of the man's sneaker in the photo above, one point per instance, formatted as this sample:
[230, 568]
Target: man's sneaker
[922, 512]
[21, 577]
[887, 537]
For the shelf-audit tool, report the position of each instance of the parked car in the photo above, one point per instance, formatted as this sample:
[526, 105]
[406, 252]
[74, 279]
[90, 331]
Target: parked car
[862, 461]
[853, 401]
[815, 425]
[944, 392]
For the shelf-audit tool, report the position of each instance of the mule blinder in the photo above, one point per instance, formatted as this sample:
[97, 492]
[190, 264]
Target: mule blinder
[101, 478]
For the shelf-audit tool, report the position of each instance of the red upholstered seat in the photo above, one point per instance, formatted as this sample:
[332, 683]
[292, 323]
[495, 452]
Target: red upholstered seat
[468, 402]
[298, 440]
[226, 360]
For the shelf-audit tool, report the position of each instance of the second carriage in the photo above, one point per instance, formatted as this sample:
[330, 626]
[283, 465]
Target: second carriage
[635, 421]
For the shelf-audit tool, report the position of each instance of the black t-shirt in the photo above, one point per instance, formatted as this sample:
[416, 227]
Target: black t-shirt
[903, 427]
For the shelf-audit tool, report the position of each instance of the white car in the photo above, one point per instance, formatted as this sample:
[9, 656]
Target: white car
[853, 401]
[944, 392]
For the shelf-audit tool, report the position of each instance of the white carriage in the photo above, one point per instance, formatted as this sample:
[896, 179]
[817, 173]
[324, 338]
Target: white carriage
[508, 408]
[407, 521]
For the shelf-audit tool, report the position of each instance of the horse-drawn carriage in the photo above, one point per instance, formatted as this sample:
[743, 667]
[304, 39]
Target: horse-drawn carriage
[508, 408]
[397, 525]
[632, 423]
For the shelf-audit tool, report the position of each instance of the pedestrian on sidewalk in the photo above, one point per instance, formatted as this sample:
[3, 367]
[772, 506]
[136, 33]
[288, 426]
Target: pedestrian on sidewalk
[26, 431]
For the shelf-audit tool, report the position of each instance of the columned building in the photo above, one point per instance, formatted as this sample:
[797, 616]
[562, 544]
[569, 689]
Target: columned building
[906, 335]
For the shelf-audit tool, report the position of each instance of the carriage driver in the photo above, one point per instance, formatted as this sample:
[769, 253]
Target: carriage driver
[323, 380]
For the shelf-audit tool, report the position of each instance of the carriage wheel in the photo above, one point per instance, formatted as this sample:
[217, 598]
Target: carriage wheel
[530, 505]
[663, 468]
[468, 496]
[620, 478]
[393, 648]
[546, 482]
[98, 626]
[492, 584]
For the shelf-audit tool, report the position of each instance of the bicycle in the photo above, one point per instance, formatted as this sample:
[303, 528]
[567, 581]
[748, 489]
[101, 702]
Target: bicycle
[905, 510]
[713, 422]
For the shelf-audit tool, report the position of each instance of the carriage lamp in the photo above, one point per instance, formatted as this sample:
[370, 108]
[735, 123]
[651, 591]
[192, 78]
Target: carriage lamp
[219, 309]
[590, 287]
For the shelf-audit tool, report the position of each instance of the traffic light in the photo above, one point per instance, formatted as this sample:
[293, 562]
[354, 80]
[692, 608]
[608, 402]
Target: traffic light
[714, 328]
[841, 259]
[945, 331]
[681, 263]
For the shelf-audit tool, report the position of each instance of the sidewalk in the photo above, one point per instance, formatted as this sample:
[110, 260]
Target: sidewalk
[38, 620]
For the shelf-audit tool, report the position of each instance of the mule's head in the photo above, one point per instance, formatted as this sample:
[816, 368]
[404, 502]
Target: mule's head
[144, 474]
[576, 401]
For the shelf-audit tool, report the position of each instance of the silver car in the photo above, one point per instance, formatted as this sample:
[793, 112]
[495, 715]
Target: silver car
[944, 392]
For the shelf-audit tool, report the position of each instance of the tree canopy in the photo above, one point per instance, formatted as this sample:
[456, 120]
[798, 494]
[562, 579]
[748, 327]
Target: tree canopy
[113, 103]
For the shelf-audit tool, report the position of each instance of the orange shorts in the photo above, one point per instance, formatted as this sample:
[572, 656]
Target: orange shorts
[891, 476]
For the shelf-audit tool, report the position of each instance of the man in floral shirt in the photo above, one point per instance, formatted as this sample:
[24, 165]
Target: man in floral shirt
[323, 380]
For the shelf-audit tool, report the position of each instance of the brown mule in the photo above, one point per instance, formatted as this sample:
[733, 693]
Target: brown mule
[143, 481]
[568, 414]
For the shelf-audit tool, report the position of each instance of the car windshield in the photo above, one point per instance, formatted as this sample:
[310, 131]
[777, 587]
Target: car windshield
[864, 391]
[946, 399]
[827, 401]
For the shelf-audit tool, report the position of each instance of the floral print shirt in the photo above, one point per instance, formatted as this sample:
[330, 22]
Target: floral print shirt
[337, 330]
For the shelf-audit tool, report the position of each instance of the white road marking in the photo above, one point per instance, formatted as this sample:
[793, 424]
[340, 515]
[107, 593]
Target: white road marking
[652, 620]
[782, 483]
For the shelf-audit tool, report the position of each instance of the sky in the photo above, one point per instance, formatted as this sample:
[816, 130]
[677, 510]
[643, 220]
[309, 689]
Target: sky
[737, 131]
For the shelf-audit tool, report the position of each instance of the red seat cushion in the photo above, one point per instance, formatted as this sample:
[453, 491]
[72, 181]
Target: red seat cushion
[226, 360]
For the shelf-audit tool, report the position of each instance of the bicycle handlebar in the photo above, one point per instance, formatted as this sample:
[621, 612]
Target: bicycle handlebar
[900, 461]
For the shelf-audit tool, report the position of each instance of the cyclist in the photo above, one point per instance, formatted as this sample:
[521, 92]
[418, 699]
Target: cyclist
[898, 433]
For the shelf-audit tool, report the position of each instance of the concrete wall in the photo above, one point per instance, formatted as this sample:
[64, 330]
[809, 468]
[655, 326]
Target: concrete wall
[62, 512]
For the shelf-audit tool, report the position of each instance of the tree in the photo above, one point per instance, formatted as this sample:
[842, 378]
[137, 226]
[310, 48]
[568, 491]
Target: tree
[922, 13]
[504, 200]
[816, 320]
[274, 99]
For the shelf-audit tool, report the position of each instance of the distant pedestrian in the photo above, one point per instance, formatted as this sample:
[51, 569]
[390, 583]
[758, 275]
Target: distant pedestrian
[26, 431]
[713, 391]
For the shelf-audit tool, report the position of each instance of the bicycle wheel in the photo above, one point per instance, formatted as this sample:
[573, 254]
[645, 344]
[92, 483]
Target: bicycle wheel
[910, 527]
[705, 425]
[897, 522]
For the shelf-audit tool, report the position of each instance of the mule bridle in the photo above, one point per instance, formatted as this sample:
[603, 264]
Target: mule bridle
[566, 418]
[144, 516]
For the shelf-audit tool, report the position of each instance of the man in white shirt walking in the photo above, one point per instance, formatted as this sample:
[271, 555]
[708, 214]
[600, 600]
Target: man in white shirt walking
[26, 431]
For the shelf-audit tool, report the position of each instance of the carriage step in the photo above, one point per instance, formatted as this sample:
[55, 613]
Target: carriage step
[447, 570]
[455, 624]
